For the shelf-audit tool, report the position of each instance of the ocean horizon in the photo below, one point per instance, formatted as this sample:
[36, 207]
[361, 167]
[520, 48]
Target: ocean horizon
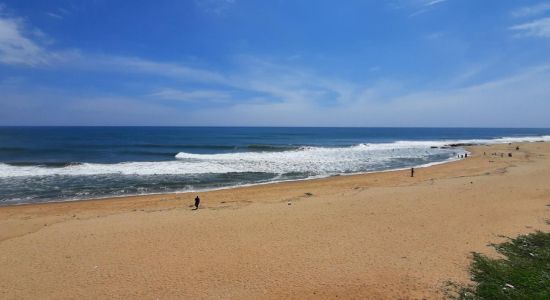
[59, 163]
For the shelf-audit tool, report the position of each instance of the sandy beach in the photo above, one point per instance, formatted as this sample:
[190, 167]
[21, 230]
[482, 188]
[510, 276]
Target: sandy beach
[374, 236]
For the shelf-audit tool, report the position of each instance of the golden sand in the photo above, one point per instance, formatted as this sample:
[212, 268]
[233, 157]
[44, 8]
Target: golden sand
[383, 235]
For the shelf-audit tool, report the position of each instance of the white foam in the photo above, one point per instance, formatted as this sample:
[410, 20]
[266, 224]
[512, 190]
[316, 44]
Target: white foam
[128, 168]
[316, 161]
[442, 143]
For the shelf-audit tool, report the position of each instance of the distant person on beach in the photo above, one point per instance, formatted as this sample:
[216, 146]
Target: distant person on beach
[412, 172]
[517, 148]
[197, 202]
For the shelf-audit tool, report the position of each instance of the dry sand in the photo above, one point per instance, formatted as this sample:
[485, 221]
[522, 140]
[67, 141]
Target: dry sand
[376, 236]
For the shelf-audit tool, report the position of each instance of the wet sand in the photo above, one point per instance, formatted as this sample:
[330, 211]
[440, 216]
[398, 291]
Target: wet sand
[374, 236]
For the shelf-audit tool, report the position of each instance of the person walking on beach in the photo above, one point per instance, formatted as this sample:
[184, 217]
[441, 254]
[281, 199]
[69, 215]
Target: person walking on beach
[412, 172]
[197, 202]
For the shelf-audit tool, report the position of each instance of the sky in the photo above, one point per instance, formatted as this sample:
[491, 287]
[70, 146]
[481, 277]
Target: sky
[372, 63]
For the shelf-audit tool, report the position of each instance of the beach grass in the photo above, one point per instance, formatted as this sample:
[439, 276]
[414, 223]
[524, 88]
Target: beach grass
[523, 272]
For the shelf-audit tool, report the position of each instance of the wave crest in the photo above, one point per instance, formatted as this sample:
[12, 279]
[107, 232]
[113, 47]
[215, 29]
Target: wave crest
[318, 161]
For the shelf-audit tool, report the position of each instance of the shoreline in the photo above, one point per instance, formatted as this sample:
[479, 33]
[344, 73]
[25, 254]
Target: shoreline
[380, 235]
[458, 144]
[113, 197]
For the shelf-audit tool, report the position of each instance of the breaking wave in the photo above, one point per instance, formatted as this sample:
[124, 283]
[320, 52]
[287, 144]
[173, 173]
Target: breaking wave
[316, 161]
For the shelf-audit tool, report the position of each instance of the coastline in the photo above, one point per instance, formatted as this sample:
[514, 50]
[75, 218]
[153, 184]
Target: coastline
[205, 190]
[341, 235]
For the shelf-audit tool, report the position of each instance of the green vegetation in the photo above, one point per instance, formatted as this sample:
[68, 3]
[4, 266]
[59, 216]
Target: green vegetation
[522, 273]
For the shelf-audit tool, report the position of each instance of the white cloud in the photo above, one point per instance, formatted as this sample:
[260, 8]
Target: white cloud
[519, 100]
[216, 7]
[15, 47]
[23, 45]
[54, 15]
[418, 12]
[434, 2]
[192, 95]
[530, 11]
[516, 101]
[407, 4]
[139, 65]
[537, 28]
[269, 93]
[425, 6]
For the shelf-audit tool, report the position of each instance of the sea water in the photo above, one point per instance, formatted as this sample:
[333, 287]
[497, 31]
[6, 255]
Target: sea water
[39, 164]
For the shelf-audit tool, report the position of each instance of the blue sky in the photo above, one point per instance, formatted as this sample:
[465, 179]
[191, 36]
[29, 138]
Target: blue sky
[445, 63]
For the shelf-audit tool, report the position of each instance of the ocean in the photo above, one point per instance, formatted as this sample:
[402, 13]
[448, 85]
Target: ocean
[41, 164]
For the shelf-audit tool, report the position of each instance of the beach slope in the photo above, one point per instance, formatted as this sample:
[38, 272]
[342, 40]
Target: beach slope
[381, 235]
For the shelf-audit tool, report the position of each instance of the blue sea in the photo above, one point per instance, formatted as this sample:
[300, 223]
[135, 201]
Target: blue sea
[40, 164]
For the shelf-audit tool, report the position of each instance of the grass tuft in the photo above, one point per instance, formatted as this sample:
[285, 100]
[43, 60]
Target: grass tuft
[523, 273]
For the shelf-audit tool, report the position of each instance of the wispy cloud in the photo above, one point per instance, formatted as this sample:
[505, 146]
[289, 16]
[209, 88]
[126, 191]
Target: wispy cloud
[216, 7]
[15, 46]
[289, 96]
[144, 66]
[531, 11]
[293, 96]
[260, 91]
[426, 6]
[493, 103]
[434, 2]
[192, 95]
[537, 28]
[54, 15]
[21, 44]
